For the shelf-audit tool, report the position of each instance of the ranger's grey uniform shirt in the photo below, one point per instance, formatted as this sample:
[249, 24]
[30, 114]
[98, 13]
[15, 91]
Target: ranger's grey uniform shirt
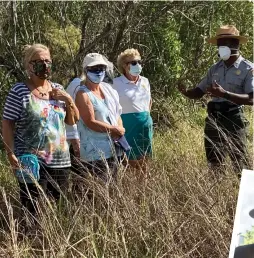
[238, 78]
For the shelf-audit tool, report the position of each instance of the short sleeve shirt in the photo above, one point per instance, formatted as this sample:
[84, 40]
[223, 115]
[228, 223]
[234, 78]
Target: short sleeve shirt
[72, 89]
[134, 97]
[39, 126]
[238, 78]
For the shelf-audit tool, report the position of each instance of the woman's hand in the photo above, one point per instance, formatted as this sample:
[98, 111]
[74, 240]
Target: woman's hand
[62, 95]
[13, 161]
[117, 132]
[75, 143]
[72, 113]
[121, 130]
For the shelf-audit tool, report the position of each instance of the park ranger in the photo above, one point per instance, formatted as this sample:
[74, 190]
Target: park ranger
[230, 83]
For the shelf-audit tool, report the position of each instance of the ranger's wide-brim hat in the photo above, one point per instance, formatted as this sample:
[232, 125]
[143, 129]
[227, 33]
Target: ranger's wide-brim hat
[227, 31]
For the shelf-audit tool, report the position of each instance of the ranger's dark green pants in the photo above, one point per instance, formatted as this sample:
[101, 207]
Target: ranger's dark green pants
[226, 133]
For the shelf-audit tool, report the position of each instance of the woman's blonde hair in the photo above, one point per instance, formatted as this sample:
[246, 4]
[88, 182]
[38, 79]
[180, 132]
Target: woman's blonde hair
[122, 58]
[30, 50]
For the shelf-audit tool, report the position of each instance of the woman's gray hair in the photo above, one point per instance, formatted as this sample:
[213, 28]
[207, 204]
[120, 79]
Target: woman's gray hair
[30, 50]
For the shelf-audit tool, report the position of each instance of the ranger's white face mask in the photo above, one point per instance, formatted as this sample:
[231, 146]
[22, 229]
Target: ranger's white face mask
[225, 52]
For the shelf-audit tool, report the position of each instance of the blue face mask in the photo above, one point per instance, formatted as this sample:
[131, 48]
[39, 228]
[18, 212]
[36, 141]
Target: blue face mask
[135, 70]
[96, 76]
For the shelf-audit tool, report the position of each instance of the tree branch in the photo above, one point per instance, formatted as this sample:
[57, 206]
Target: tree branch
[87, 48]
[128, 8]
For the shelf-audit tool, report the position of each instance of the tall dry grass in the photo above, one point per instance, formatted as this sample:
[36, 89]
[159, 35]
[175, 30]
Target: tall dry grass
[180, 211]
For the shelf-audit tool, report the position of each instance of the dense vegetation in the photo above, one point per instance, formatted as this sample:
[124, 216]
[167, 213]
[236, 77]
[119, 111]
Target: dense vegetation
[170, 36]
[181, 211]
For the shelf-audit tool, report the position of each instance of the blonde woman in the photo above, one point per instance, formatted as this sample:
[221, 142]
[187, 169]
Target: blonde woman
[35, 113]
[100, 121]
[135, 99]
[72, 89]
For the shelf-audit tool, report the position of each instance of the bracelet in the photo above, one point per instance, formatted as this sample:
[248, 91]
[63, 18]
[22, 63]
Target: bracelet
[9, 152]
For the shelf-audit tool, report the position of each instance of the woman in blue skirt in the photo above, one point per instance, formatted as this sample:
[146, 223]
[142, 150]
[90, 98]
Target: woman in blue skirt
[135, 99]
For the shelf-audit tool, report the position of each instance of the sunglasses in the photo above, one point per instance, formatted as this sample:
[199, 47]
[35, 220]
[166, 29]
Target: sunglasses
[96, 68]
[134, 62]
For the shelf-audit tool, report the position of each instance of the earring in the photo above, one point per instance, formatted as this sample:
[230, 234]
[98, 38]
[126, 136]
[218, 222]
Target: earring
[28, 74]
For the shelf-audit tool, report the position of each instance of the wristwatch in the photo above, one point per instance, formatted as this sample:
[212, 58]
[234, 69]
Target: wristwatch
[226, 95]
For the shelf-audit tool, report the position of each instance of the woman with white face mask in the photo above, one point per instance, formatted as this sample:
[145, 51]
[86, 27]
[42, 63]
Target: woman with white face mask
[100, 122]
[135, 99]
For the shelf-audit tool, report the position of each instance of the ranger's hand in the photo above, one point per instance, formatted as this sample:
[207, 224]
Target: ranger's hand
[216, 90]
[182, 88]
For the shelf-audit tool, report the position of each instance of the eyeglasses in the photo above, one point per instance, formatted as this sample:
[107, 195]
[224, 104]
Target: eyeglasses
[134, 62]
[39, 61]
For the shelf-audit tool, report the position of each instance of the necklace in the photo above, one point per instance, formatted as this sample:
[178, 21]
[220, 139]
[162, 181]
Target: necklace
[43, 93]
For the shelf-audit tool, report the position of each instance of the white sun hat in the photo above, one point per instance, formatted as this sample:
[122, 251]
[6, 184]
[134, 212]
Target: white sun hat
[93, 59]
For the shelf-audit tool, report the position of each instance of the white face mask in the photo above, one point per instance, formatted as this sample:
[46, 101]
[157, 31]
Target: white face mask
[135, 70]
[225, 52]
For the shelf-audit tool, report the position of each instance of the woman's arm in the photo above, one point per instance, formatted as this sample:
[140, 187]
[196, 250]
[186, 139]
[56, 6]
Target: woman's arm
[8, 134]
[86, 111]
[72, 113]
[120, 122]
[8, 139]
[73, 138]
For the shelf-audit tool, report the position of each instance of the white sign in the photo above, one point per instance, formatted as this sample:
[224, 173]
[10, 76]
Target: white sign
[244, 217]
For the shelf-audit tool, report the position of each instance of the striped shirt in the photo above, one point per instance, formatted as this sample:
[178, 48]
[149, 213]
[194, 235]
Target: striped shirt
[39, 125]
